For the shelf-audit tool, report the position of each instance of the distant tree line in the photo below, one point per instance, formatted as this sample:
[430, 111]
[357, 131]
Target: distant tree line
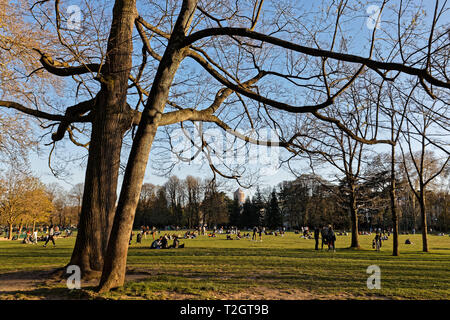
[309, 200]
[27, 203]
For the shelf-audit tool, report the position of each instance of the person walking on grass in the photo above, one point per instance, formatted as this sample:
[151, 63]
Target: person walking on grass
[316, 237]
[331, 238]
[255, 231]
[260, 231]
[377, 241]
[51, 234]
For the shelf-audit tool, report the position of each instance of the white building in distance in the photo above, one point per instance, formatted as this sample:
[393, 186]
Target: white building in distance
[239, 195]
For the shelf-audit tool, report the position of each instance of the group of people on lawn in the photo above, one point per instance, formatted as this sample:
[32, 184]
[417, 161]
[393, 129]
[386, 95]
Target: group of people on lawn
[50, 232]
[326, 233]
[328, 237]
[163, 242]
[160, 243]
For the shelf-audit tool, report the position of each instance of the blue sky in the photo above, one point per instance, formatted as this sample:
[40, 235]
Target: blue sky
[39, 166]
[39, 163]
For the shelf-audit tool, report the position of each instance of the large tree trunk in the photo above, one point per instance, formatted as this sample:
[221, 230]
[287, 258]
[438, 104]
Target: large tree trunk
[99, 197]
[112, 117]
[424, 222]
[115, 262]
[393, 205]
[354, 217]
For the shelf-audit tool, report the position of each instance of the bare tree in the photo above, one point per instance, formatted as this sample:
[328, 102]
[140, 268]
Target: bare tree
[17, 195]
[422, 165]
[192, 186]
[241, 65]
[180, 43]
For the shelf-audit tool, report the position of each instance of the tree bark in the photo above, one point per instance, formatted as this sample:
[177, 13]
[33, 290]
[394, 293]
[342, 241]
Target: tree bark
[112, 117]
[99, 197]
[393, 205]
[354, 217]
[424, 222]
[114, 268]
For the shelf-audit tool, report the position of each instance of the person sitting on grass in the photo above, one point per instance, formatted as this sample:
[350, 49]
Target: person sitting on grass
[68, 233]
[156, 244]
[164, 242]
[139, 237]
[229, 237]
[176, 243]
[27, 238]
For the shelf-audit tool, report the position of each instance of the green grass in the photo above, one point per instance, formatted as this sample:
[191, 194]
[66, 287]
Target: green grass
[210, 268]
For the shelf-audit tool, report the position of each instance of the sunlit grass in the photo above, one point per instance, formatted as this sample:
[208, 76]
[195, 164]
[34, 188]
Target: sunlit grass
[208, 267]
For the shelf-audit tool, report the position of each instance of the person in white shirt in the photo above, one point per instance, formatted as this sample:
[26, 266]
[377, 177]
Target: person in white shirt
[35, 236]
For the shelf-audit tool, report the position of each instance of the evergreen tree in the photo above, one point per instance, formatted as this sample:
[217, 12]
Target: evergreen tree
[235, 213]
[259, 208]
[248, 214]
[273, 213]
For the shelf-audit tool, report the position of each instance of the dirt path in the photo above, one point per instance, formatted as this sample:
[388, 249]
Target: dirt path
[42, 284]
[22, 280]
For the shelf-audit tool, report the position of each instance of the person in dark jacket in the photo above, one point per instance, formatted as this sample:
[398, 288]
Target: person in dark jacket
[164, 242]
[324, 236]
[377, 241]
[255, 231]
[156, 244]
[139, 238]
[331, 238]
[316, 237]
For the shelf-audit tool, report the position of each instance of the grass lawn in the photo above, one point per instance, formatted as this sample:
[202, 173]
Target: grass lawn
[277, 268]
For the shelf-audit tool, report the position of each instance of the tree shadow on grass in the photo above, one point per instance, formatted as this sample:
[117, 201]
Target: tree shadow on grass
[48, 284]
[56, 293]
